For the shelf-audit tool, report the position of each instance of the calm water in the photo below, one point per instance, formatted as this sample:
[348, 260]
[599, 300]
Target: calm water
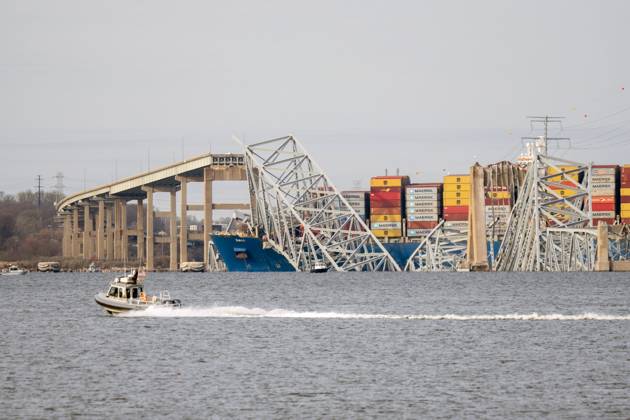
[308, 345]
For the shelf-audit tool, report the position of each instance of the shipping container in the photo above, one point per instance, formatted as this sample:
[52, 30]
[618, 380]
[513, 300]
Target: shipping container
[415, 233]
[387, 233]
[355, 195]
[456, 179]
[386, 225]
[421, 224]
[456, 187]
[423, 210]
[603, 199]
[456, 209]
[456, 202]
[423, 190]
[389, 181]
[423, 197]
[424, 203]
[385, 204]
[606, 206]
[422, 217]
[385, 195]
[375, 211]
[603, 214]
[456, 194]
[385, 218]
[455, 216]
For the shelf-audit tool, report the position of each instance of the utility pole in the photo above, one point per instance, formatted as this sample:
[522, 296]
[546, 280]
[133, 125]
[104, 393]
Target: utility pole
[39, 191]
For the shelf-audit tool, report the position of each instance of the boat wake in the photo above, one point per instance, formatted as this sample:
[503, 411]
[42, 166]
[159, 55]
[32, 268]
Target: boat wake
[244, 312]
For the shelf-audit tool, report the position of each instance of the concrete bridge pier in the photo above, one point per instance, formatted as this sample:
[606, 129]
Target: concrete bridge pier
[149, 244]
[140, 229]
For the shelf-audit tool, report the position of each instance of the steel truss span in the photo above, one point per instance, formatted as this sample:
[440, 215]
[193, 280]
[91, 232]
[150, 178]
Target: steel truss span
[548, 231]
[303, 215]
[444, 249]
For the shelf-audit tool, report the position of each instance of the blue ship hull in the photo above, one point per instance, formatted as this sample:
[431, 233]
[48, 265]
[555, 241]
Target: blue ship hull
[247, 254]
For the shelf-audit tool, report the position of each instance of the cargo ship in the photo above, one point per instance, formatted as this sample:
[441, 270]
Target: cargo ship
[248, 254]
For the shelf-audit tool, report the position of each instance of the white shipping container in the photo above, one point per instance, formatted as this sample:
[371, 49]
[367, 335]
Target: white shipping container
[354, 195]
[423, 197]
[423, 190]
[603, 186]
[455, 224]
[357, 204]
[498, 209]
[603, 179]
[423, 210]
[424, 204]
[603, 193]
[386, 225]
[603, 214]
[418, 232]
[603, 171]
[422, 217]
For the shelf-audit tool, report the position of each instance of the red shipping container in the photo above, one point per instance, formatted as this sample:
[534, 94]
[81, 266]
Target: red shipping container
[386, 204]
[456, 209]
[421, 225]
[386, 210]
[625, 221]
[607, 221]
[603, 199]
[603, 206]
[384, 195]
[386, 189]
[456, 217]
[625, 198]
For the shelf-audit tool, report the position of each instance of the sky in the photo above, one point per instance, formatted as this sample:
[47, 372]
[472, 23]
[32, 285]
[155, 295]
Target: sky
[99, 90]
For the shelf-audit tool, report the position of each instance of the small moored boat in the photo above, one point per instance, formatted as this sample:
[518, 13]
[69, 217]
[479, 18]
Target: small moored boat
[126, 293]
[14, 270]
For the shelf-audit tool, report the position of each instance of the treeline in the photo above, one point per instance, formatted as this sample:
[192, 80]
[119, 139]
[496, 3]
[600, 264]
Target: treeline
[27, 226]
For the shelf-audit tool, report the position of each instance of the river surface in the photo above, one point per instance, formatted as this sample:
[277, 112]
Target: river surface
[287, 345]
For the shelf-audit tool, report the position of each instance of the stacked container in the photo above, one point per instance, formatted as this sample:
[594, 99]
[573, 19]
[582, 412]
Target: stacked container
[624, 194]
[359, 201]
[387, 205]
[603, 192]
[423, 208]
[498, 202]
[456, 198]
[561, 190]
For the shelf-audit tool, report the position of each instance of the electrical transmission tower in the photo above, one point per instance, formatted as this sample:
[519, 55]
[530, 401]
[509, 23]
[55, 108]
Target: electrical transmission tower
[59, 187]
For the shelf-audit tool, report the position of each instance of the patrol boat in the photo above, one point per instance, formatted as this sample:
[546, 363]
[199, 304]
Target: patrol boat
[126, 293]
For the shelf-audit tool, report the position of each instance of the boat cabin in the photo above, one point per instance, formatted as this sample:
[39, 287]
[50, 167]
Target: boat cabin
[125, 291]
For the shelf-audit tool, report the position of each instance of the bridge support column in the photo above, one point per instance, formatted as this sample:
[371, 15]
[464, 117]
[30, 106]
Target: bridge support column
[183, 222]
[149, 252]
[207, 213]
[602, 263]
[75, 233]
[477, 242]
[124, 237]
[87, 232]
[173, 232]
[116, 209]
[100, 231]
[67, 236]
[109, 233]
[140, 230]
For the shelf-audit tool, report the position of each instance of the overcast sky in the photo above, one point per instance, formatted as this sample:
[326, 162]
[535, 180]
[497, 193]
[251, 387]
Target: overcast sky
[102, 89]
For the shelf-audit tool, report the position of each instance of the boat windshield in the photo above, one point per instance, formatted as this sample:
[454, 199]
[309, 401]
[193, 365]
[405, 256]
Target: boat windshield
[113, 292]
